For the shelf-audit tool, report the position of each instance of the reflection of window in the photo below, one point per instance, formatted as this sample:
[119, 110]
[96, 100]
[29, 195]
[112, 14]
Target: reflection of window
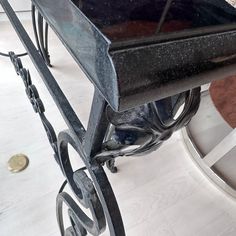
[198, 13]
[164, 15]
[149, 18]
[124, 19]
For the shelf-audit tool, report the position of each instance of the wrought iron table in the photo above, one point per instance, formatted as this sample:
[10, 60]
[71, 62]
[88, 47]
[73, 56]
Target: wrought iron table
[147, 61]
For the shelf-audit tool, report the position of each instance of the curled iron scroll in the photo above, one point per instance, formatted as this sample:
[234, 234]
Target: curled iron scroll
[85, 193]
[89, 193]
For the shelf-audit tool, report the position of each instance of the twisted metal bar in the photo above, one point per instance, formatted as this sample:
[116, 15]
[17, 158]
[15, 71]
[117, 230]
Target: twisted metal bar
[35, 101]
[143, 129]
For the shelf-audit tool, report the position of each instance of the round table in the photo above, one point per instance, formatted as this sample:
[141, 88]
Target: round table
[211, 136]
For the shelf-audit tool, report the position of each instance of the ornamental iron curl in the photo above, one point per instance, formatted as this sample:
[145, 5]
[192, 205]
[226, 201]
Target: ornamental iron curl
[95, 195]
[85, 193]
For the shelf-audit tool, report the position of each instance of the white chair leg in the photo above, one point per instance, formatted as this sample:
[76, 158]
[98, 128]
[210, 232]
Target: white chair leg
[219, 151]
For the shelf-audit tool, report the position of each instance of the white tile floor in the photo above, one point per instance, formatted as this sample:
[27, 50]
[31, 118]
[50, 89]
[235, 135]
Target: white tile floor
[161, 194]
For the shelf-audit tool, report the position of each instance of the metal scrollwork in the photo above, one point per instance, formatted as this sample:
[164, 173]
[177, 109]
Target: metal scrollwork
[81, 223]
[35, 100]
[86, 194]
[143, 129]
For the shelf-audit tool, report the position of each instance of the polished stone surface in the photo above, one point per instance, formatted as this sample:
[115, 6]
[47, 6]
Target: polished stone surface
[127, 50]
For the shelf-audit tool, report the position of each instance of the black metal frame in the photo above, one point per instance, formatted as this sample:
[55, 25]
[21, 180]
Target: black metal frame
[94, 192]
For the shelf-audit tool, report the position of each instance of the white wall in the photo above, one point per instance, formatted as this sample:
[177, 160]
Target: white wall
[19, 5]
